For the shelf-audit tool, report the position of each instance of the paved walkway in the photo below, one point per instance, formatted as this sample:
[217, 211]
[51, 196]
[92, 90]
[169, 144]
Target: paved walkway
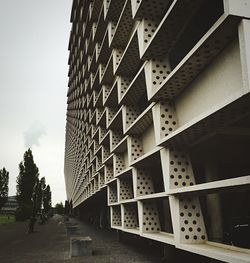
[49, 244]
[108, 249]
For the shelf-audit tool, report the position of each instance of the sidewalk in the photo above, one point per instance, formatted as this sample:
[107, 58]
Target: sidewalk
[107, 248]
[50, 245]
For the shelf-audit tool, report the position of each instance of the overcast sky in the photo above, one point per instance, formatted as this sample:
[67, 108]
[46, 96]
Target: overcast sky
[33, 85]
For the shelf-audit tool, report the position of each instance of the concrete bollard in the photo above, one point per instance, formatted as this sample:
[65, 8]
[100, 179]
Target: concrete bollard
[69, 224]
[80, 246]
[72, 230]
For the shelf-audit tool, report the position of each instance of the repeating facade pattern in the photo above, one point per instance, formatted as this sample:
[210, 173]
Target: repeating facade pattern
[151, 84]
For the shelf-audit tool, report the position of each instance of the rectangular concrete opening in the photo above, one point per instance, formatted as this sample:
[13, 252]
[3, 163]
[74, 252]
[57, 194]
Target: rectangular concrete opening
[201, 21]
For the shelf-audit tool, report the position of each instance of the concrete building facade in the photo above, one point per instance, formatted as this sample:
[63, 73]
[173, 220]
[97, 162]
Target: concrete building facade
[158, 120]
[10, 206]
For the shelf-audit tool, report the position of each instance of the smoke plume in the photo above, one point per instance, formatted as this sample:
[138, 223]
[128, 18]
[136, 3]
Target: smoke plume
[33, 134]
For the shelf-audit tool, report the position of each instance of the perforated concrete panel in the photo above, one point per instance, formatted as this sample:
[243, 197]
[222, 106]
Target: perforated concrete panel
[150, 84]
[135, 148]
[143, 182]
[130, 216]
[112, 193]
[150, 217]
[116, 220]
[125, 188]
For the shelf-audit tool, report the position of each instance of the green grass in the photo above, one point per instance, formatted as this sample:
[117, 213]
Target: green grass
[4, 219]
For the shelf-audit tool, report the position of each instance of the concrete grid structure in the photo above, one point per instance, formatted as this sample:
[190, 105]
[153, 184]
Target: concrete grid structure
[159, 118]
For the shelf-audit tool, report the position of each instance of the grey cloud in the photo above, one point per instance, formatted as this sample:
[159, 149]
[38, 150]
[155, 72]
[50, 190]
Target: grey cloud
[33, 134]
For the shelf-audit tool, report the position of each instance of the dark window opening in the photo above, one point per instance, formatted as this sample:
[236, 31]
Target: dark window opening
[227, 218]
[222, 157]
[203, 19]
[157, 176]
[165, 215]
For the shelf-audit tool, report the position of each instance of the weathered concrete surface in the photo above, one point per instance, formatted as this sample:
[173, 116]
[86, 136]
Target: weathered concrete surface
[80, 246]
[72, 230]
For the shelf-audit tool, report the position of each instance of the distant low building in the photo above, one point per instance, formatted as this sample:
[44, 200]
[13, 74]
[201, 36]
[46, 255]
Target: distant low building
[10, 206]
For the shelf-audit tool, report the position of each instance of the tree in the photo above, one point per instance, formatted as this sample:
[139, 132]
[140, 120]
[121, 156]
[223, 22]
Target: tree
[34, 199]
[41, 185]
[37, 198]
[59, 208]
[4, 188]
[26, 180]
[67, 208]
[47, 199]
